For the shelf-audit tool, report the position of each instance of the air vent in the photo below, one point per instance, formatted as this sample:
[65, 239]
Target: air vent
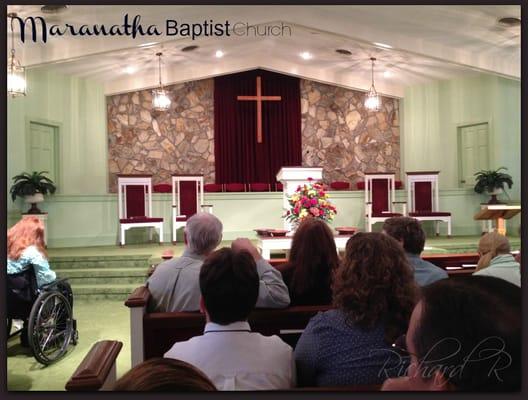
[509, 21]
[189, 48]
[53, 8]
[344, 52]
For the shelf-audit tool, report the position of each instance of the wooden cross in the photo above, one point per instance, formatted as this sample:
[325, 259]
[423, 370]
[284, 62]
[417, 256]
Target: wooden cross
[259, 99]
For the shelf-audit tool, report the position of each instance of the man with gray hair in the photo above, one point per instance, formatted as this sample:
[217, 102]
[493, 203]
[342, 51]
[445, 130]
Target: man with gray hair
[175, 286]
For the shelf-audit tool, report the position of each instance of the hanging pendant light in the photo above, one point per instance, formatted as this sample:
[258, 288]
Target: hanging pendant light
[16, 73]
[160, 99]
[372, 99]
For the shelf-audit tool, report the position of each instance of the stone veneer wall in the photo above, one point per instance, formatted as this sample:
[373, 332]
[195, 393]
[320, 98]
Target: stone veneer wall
[337, 133]
[175, 142]
[340, 135]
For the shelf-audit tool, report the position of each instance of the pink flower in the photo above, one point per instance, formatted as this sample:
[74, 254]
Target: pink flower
[314, 211]
[314, 202]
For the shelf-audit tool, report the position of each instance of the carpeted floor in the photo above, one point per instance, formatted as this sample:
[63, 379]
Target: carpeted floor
[96, 320]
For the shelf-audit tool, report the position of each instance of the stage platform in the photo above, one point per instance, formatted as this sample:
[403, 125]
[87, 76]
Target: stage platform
[113, 272]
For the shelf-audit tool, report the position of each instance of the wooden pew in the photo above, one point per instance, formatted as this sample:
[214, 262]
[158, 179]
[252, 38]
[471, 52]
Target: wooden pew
[152, 334]
[97, 372]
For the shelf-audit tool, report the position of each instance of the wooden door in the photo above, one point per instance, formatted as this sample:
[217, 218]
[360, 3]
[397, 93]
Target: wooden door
[473, 152]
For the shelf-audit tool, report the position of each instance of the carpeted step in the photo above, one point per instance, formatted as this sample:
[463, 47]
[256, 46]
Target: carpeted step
[95, 276]
[60, 263]
[103, 291]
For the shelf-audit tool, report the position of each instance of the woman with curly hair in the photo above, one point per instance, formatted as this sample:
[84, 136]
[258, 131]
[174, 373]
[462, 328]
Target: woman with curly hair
[374, 294]
[313, 259]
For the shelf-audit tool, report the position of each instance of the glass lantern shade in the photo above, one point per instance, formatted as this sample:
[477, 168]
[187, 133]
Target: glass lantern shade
[160, 100]
[16, 78]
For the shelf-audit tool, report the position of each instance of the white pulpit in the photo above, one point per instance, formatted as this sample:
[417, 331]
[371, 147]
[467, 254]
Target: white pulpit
[291, 178]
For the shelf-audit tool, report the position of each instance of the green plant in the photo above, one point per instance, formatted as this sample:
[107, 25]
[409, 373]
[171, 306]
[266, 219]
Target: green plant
[27, 184]
[489, 180]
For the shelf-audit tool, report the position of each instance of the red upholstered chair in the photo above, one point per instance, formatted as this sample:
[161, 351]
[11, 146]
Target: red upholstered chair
[135, 205]
[187, 200]
[279, 187]
[162, 188]
[380, 192]
[235, 187]
[259, 187]
[213, 187]
[340, 185]
[422, 196]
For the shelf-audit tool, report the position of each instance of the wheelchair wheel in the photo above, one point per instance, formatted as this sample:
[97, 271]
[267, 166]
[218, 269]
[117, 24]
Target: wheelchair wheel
[50, 327]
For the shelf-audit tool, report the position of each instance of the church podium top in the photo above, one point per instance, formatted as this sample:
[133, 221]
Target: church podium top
[496, 211]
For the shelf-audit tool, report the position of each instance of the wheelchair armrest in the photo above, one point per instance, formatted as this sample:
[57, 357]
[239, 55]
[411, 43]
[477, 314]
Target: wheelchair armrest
[49, 286]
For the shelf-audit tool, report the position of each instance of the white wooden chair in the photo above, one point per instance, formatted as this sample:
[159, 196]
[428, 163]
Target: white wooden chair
[187, 200]
[422, 196]
[380, 195]
[135, 205]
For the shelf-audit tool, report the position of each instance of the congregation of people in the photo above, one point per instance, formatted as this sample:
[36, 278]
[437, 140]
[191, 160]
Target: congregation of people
[396, 320]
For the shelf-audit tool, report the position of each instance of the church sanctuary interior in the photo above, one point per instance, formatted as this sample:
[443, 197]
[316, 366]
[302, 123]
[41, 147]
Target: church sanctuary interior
[263, 117]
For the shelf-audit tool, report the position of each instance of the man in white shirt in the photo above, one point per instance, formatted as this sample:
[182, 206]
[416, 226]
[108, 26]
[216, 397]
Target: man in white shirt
[232, 356]
[174, 284]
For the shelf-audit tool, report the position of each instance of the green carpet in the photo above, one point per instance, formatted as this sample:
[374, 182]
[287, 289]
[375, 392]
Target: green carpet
[97, 320]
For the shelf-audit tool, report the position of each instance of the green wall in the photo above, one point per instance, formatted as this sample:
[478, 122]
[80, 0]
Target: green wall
[77, 106]
[434, 111]
[84, 214]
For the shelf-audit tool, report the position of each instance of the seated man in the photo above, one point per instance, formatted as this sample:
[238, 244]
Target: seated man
[465, 335]
[410, 234]
[174, 285]
[232, 356]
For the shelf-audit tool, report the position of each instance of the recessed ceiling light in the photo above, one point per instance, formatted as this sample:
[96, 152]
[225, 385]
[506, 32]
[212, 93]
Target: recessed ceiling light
[130, 69]
[189, 48]
[385, 46]
[509, 21]
[219, 54]
[149, 44]
[344, 52]
[306, 55]
[53, 8]
[388, 74]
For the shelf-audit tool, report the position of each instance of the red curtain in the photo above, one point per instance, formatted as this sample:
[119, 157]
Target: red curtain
[238, 156]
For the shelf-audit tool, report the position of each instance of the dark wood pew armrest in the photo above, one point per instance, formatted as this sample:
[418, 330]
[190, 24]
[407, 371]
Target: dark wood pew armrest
[138, 298]
[93, 371]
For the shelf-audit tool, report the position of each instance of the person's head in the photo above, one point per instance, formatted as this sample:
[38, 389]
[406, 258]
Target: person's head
[229, 284]
[490, 246]
[408, 231]
[27, 232]
[465, 334]
[314, 255]
[203, 232]
[375, 283]
[164, 375]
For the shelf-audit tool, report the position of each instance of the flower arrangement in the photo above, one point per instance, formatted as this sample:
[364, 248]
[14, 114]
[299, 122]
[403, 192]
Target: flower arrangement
[310, 200]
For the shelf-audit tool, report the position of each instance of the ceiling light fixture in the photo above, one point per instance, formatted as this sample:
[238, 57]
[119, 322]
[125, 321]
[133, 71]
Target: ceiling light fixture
[372, 99]
[160, 99]
[509, 21]
[385, 46]
[388, 74]
[189, 48]
[306, 55]
[16, 73]
[344, 52]
[219, 54]
[53, 8]
[130, 69]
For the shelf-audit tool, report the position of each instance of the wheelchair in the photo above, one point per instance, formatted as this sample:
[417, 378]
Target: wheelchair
[47, 314]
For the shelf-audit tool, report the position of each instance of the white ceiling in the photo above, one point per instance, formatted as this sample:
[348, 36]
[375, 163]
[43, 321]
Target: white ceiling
[429, 43]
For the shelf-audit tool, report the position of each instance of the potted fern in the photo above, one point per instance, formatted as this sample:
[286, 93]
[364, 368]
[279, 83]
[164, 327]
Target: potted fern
[32, 187]
[492, 182]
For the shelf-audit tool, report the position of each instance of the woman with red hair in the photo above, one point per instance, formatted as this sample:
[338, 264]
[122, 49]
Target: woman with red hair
[25, 248]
